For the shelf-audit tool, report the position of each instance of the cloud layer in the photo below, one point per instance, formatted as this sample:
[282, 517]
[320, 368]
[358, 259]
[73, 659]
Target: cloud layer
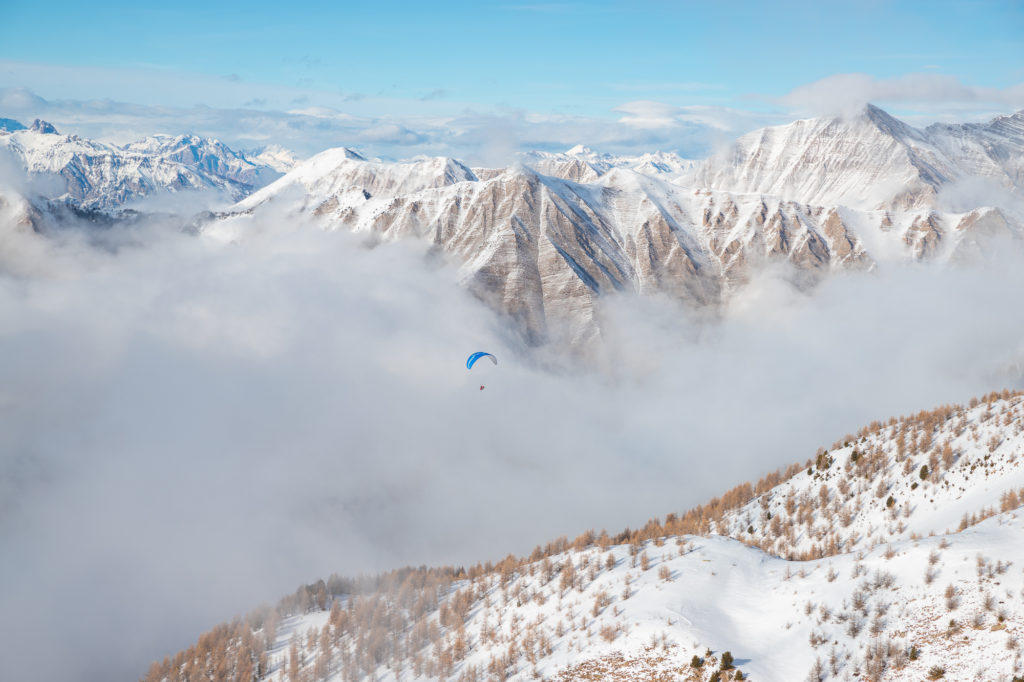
[188, 428]
[489, 137]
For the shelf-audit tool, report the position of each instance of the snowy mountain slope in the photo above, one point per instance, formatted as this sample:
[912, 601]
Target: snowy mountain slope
[92, 175]
[867, 161]
[543, 247]
[989, 150]
[342, 177]
[926, 474]
[658, 603]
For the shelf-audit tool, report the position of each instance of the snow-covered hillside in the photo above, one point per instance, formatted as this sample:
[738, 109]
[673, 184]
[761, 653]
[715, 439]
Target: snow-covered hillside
[92, 175]
[917, 573]
[937, 472]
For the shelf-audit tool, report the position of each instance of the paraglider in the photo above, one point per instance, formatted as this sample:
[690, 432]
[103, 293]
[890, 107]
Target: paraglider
[471, 360]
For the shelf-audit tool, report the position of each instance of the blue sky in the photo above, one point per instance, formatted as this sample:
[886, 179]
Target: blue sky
[740, 64]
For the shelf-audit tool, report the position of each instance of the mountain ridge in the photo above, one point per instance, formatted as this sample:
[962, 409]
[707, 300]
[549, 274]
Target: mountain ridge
[545, 240]
[542, 242]
[669, 600]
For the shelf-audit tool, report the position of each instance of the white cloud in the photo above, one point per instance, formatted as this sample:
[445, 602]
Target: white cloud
[713, 120]
[935, 93]
[188, 428]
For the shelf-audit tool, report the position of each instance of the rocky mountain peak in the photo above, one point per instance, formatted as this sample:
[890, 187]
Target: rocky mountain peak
[41, 126]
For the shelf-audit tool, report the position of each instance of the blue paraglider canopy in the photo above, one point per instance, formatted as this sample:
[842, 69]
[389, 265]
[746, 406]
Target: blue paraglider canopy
[476, 356]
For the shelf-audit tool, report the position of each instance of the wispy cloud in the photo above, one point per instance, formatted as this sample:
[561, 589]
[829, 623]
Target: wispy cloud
[655, 114]
[935, 93]
[311, 127]
[648, 114]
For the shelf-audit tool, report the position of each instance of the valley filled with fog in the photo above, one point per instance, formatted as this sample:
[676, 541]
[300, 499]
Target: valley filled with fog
[192, 427]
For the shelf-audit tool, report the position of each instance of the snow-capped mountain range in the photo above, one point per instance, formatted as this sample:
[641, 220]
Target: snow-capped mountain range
[91, 175]
[894, 555]
[541, 241]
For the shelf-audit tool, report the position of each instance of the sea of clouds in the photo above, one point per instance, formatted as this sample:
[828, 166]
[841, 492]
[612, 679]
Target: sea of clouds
[190, 426]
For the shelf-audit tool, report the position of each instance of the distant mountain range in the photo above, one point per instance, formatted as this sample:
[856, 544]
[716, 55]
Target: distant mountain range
[89, 175]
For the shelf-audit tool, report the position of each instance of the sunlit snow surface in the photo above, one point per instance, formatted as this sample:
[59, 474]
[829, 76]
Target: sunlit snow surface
[779, 617]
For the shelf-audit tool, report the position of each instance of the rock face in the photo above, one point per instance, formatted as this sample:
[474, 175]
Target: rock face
[543, 243]
[867, 162]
